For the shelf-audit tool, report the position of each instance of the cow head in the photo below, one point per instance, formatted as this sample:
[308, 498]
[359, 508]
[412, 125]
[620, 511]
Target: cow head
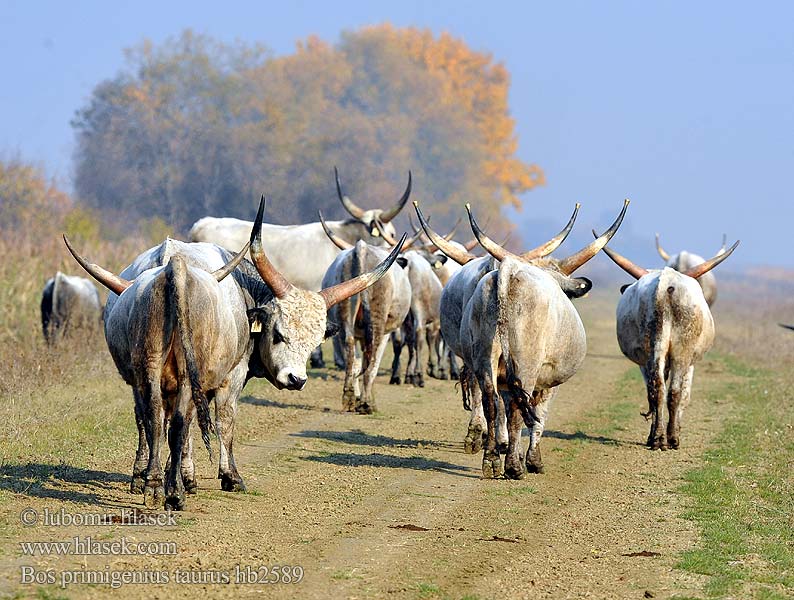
[376, 220]
[559, 269]
[294, 321]
[637, 272]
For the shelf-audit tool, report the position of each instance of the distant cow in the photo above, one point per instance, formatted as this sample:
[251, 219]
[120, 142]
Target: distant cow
[683, 261]
[664, 325]
[522, 337]
[69, 304]
[183, 331]
[368, 317]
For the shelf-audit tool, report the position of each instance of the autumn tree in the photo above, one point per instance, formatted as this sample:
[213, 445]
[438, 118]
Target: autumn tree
[27, 197]
[196, 127]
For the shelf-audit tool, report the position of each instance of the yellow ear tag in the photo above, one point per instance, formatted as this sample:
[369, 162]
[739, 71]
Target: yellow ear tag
[256, 326]
[376, 233]
[438, 264]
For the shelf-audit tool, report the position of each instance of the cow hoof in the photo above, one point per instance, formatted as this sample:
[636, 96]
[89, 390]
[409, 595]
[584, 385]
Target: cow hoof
[501, 447]
[175, 502]
[137, 484]
[395, 380]
[492, 467]
[672, 443]
[316, 363]
[153, 496]
[443, 376]
[340, 366]
[191, 486]
[658, 445]
[514, 471]
[419, 381]
[473, 442]
[535, 468]
[231, 484]
[349, 401]
[365, 409]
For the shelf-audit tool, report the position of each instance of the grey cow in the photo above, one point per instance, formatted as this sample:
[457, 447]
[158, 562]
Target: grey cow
[69, 304]
[368, 317]
[253, 322]
[664, 325]
[523, 337]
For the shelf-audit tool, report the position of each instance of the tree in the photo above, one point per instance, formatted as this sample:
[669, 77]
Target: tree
[195, 127]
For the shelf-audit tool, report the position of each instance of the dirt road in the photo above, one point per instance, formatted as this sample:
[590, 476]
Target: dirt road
[389, 506]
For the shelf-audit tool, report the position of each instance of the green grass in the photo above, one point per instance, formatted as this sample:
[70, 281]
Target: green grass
[742, 495]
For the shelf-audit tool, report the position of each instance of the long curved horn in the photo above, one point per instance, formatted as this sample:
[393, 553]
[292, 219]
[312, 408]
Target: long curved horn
[110, 280]
[660, 250]
[707, 266]
[624, 263]
[388, 214]
[338, 242]
[334, 295]
[230, 266]
[471, 244]
[494, 249]
[354, 210]
[270, 275]
[724, 245]
[553, 243]
[459, 256]
[573, 262]
[786, 326]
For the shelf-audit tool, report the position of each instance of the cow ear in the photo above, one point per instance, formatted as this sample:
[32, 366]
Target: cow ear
[439, 261]
[624, 287]
[331, 329]
[579, 287]
[402, 261]
[256, 317]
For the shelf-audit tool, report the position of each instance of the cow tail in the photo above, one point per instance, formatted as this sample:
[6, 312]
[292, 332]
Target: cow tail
[360, 267]
[505, 281]
[176, 282]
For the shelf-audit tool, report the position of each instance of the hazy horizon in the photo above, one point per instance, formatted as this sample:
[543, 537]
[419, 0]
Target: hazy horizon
[686, 109]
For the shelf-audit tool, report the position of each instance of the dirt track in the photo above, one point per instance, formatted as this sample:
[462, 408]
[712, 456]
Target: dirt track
[333, 492]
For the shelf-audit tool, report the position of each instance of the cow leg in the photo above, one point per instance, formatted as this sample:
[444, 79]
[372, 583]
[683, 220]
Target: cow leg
[138, 483]
[397, 346]
[177, 438]
[535, 421]
[478, 426]
[514, 468]
[421, 342]
[372, 356]
[491, 461]
[502, 427]
[657, 394]
[648, 414]
[225, 419]
[439, 352]
[339, 353]
[348, 390]
[154, 493]
[454, 371]
[188, 467]
[680, 385]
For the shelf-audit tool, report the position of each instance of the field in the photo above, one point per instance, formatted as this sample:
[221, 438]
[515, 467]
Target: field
[389, 506]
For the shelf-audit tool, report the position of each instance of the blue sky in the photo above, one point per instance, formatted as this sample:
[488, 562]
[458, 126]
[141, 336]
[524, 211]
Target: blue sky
[687, 108]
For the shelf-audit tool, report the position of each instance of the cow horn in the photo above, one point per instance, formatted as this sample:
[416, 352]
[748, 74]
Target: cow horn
[230, 266]
[573, 262]
[388, 214]
[270, 275]
[553, 243]
[334, 295]
[494, 249]
[471, 244]
[660, 250]
[724, 245]
[338, 242]
[111, 281]
[624, 263]
[786, 326]
[707, 266]
[354, 210]
[454, 229]
[459, 256]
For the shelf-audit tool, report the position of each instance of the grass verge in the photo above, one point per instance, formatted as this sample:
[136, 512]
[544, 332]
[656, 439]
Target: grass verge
[742, 495]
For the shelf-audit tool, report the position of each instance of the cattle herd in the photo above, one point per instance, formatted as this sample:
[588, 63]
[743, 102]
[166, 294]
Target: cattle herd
[189, 323]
